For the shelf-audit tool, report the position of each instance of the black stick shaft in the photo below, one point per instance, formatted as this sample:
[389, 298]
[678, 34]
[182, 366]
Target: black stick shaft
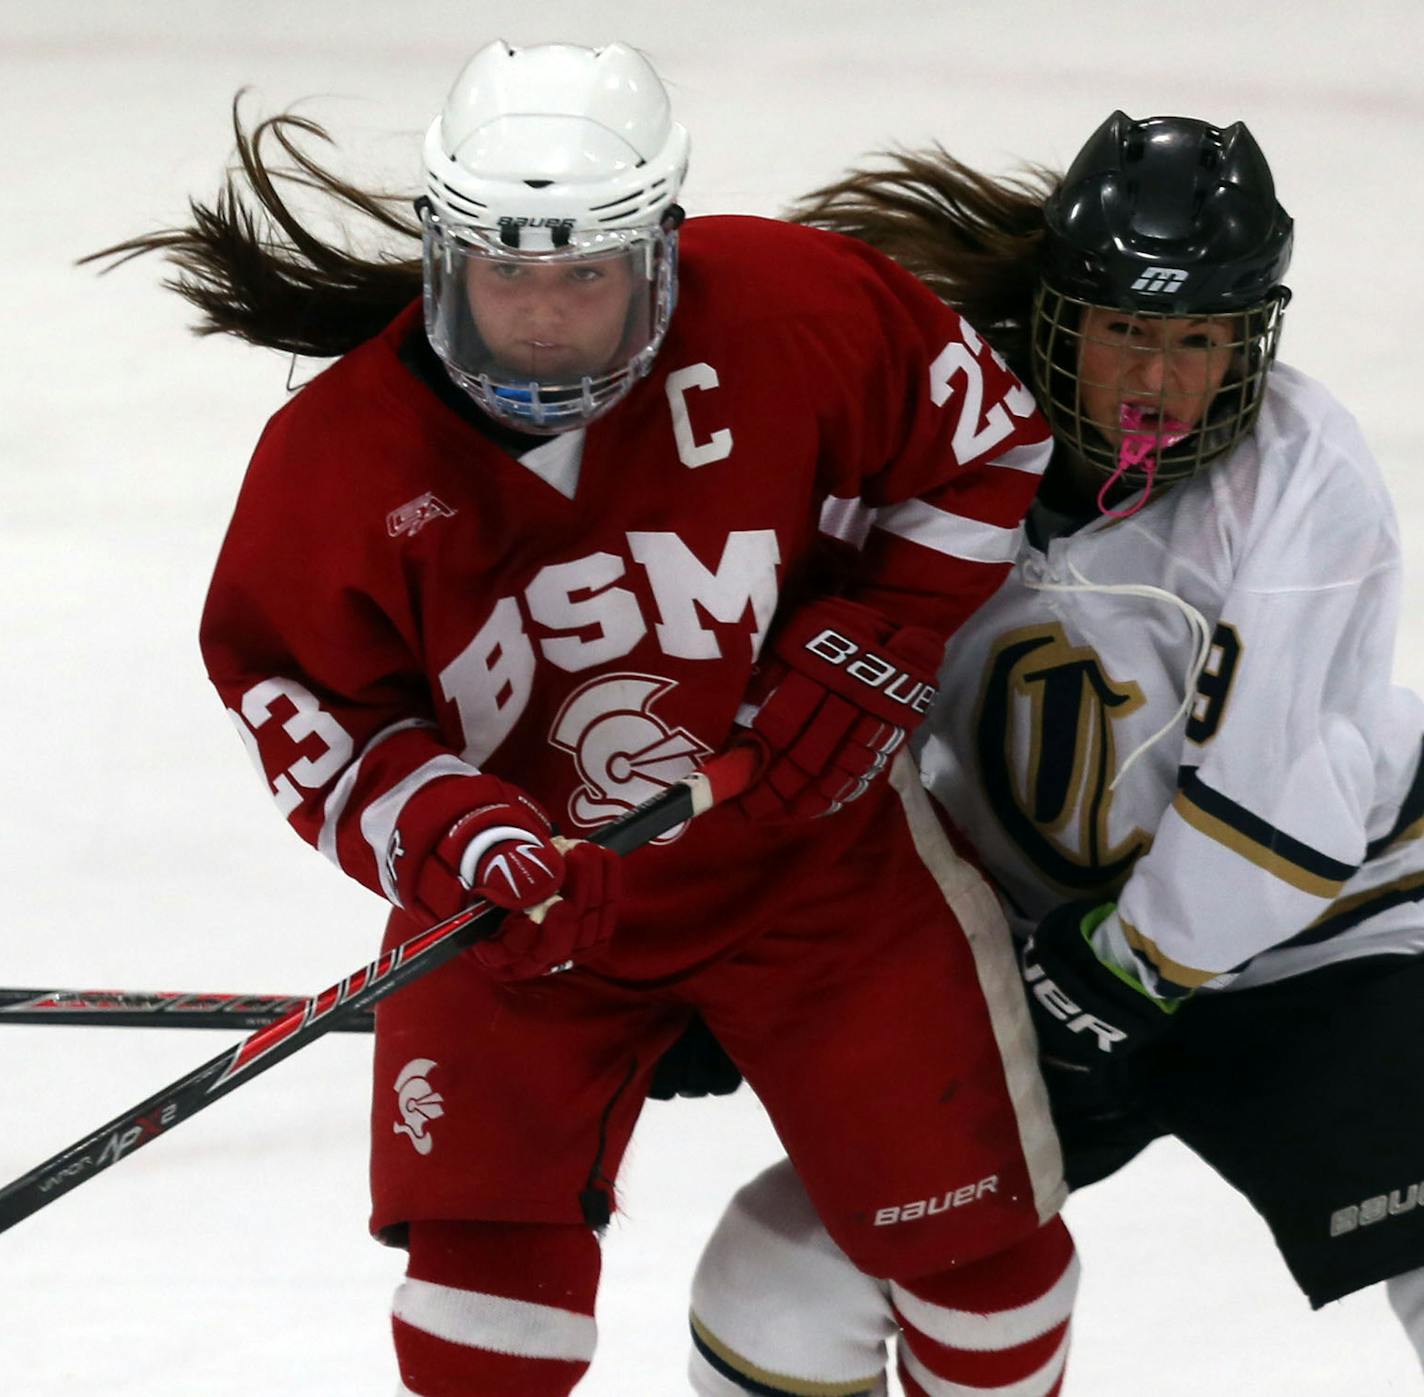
[723, 776]
[158, 1009]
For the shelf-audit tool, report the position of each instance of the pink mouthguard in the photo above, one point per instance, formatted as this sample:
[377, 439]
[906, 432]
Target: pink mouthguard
[1140, 446]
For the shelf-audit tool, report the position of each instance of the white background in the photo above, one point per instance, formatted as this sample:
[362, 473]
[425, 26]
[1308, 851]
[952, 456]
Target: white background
[138, 851]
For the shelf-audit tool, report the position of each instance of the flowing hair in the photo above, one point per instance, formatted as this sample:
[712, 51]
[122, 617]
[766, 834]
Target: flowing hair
[254, 269]
[973, 239]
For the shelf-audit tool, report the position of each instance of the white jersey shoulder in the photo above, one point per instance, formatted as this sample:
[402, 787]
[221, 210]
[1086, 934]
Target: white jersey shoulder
[1274, 824]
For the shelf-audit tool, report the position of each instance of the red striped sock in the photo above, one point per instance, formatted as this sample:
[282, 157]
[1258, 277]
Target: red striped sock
[992, 1328]
[496, 1309]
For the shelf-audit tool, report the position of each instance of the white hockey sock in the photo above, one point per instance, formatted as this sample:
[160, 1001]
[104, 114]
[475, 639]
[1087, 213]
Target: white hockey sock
[1406, 1295]
[778, 1307]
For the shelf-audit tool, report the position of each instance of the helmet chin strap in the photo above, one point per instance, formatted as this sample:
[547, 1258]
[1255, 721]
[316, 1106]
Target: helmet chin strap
[1139, 449]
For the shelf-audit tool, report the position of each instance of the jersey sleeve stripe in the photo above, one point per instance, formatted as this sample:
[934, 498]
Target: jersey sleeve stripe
[847, 518]
[1171, 979]
[379, 818]
[1409, 824]
[339, 798]
[952, 534]
[1352, 911]
[1031, 459]
[1221, 819]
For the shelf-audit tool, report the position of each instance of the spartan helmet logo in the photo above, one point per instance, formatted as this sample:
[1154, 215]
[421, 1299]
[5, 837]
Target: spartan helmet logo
[1047, 753]
[624, 752]
[418, 1102]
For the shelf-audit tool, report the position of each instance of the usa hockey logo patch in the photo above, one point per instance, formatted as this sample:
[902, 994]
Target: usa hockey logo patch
[411, 518]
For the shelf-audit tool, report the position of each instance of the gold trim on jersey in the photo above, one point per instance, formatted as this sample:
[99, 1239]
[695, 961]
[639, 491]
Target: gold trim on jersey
[780, 1382]
[1262, 855]
[1409, 832]
[1345, 905]
[1186, 976]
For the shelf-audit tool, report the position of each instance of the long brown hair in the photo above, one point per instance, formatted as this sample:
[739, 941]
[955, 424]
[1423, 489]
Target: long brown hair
[255, 270]
[973, 239]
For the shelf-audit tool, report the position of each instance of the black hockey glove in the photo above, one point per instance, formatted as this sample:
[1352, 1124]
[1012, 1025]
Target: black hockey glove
[696, 1065]
[1092, 1021]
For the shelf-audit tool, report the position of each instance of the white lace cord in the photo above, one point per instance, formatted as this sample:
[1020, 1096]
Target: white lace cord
[1201, 629]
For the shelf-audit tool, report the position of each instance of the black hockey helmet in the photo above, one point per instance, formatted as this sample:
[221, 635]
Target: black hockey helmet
[1168, 215]
[1164, 217]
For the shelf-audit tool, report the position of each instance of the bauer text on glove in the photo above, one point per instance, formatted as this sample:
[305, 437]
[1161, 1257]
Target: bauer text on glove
[842, 689]
[1088, 1015]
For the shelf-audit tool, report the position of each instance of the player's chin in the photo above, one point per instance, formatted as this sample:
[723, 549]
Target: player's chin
[548, 363]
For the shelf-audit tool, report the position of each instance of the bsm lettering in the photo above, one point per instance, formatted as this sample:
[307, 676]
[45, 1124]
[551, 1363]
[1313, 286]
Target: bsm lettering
[594, 621]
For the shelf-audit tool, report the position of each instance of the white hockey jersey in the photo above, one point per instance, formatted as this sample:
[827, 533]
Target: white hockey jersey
[1276, 826]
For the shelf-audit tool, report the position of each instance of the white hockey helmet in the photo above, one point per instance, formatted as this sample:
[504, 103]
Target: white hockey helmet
[550, 229]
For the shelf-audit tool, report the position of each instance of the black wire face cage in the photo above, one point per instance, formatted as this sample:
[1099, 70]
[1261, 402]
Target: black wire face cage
[1057, 350]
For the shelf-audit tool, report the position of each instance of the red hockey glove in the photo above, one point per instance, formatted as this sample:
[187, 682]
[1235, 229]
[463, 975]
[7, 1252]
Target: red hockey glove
[503, 850]
[557, 936]
[844, 686]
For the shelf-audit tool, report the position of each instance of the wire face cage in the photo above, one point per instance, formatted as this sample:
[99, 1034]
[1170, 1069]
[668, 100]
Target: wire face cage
[1190, 384]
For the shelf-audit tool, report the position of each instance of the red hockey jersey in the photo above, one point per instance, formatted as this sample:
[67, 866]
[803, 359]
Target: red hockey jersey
[398, 600]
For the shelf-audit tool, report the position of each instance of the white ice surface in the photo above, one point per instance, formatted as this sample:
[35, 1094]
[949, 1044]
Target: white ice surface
[136, 848]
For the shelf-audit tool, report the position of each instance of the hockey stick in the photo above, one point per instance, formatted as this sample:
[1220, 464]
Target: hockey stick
[158, 1009]
[723, 777]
